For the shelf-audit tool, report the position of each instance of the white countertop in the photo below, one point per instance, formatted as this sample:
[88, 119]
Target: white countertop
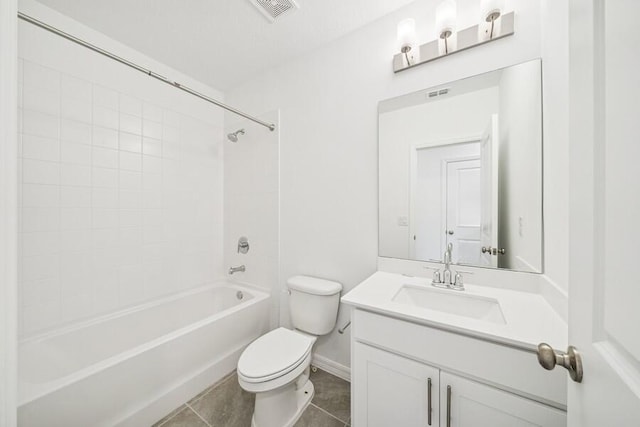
[529, 319]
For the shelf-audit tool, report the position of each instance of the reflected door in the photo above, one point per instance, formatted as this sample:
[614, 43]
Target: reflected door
[463, 210]
[489, 194]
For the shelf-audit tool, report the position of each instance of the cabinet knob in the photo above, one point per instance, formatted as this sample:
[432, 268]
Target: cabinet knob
[571, 360]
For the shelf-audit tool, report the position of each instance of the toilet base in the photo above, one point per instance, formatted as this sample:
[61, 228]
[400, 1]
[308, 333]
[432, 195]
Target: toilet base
[278, 408]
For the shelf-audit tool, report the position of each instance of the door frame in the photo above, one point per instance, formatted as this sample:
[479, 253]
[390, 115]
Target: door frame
[444, 195]
[413, 179]
[8, 211]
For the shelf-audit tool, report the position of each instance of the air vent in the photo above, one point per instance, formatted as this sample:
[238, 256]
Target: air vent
[437, 93]
[275, 9]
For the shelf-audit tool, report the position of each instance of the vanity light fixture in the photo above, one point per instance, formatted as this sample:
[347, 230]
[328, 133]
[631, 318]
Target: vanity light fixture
[491, 11]
[407, 40]
[446, 22]
[494, 25]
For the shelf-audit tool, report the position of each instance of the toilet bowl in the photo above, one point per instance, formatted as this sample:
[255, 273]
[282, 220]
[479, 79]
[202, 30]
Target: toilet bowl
[276, 365]
[276, 368]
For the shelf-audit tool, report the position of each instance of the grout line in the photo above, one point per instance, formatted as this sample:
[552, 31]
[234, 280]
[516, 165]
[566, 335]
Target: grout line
[176, 412]
[198, 415]
[329, 413]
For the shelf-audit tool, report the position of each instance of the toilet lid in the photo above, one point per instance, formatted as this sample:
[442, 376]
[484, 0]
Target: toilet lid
[274, 354]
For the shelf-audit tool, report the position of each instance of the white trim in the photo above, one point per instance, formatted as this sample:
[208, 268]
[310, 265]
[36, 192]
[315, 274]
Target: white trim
[334, 368]
[8, 211]
[413, 178]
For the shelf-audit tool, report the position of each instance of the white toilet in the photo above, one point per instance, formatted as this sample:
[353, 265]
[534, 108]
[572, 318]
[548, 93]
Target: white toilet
[276, 365]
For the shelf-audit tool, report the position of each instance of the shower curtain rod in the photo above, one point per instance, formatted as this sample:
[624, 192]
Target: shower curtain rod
[135, 66]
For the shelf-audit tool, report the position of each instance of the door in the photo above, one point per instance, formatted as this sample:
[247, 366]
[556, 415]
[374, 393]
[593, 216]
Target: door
[466, 403]
[391, 390]
[489, 193]
[463, 204]
[604, 229]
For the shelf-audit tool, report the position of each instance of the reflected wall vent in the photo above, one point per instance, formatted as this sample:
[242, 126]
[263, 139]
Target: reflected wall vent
[275, 9]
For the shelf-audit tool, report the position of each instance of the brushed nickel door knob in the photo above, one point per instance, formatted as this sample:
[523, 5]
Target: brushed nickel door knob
[571, 360]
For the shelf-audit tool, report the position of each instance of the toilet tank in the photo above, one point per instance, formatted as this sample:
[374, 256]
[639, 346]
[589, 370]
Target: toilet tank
[313, 304]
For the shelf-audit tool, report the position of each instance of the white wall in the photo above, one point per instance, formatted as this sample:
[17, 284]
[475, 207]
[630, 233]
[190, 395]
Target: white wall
[121, 179]
[429, 124]
[328, 102]
[520, 213]
[8, 213]
[251, 204]
[555, 101]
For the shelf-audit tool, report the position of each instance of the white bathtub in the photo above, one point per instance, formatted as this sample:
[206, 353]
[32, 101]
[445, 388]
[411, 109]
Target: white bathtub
[133, 367]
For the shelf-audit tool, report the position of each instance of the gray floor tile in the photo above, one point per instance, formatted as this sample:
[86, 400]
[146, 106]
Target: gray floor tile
[184, 418]
[314, 417]
[170, 415]
[332, 394]
[226, 405]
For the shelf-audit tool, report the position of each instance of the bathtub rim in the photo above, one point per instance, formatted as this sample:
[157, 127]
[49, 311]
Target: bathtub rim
[36, 391]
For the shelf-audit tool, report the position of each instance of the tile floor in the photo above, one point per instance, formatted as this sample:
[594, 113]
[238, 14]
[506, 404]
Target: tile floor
[226, 404]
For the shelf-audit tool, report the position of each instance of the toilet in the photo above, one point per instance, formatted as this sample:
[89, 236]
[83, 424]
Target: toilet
[276, 366]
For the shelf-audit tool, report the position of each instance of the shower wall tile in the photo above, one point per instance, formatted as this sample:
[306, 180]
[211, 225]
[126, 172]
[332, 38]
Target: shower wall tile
[120, 193]
[251, 206]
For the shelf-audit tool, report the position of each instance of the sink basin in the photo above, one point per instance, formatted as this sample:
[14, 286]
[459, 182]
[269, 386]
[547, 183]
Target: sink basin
[452, 302]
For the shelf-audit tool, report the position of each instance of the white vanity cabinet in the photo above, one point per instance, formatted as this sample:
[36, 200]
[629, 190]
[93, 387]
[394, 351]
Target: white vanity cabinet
[473, 382]
[466, 403]
[392, 390]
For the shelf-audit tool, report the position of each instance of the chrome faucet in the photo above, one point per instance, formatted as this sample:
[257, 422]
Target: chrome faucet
[242, 269]
[447, 264]
[445, 279]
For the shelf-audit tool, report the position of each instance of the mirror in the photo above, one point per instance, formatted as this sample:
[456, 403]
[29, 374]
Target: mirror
[461, 163]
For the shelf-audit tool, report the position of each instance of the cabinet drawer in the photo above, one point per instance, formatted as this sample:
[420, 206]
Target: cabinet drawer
[508, 368]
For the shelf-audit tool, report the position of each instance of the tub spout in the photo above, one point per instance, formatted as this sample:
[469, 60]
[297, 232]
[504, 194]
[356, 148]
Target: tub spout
[242, 268]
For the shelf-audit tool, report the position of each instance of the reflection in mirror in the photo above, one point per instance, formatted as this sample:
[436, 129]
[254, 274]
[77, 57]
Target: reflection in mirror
[462, 164]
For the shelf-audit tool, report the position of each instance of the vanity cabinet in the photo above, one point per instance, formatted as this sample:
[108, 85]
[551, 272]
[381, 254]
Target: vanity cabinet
[393, 390]
[402, 369]
[471, 404]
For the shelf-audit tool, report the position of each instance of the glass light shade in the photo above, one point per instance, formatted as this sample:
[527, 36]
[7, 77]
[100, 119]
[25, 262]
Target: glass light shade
[490, 6]
[446, 15]
[406, 33]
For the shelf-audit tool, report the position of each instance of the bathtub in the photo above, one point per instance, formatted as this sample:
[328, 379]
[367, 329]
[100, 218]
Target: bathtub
[133, 367]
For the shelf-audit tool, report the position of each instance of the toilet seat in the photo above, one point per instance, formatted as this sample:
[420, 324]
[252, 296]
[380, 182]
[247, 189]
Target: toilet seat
[272, 357]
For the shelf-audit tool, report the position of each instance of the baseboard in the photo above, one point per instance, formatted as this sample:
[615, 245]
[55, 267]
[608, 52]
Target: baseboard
[332, 367]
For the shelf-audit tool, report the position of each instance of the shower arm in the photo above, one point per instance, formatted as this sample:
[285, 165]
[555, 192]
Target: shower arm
[137, 67]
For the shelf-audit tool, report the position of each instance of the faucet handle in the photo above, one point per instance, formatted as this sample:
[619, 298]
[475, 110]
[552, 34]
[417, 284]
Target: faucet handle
[458, 282]
[436, 277]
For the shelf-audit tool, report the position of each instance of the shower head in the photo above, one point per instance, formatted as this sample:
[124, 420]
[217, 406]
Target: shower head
[233, 137]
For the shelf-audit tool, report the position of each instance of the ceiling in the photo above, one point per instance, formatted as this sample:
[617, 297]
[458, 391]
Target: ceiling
[222, 42]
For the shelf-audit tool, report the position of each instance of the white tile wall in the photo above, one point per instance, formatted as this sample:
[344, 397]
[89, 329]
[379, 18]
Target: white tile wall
[252, 207]
[120, 199]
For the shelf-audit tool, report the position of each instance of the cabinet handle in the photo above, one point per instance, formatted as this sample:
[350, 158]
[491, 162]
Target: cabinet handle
[448, 406]
[429, 401]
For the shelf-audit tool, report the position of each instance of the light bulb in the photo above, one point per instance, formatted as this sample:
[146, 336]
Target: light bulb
[406, 35]
[491, 9]
[446, 18]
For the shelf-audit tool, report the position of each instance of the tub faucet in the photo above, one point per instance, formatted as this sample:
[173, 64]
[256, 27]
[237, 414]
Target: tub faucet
[242, 268]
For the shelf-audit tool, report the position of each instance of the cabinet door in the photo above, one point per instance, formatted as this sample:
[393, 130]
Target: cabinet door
[475, 404]
[390, 390]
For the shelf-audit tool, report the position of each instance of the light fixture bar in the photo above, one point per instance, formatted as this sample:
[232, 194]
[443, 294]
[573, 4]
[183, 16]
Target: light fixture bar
[137, 67]
[467, 39]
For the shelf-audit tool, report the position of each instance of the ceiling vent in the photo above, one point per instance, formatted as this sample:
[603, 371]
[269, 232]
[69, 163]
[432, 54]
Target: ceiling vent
[275, 9]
